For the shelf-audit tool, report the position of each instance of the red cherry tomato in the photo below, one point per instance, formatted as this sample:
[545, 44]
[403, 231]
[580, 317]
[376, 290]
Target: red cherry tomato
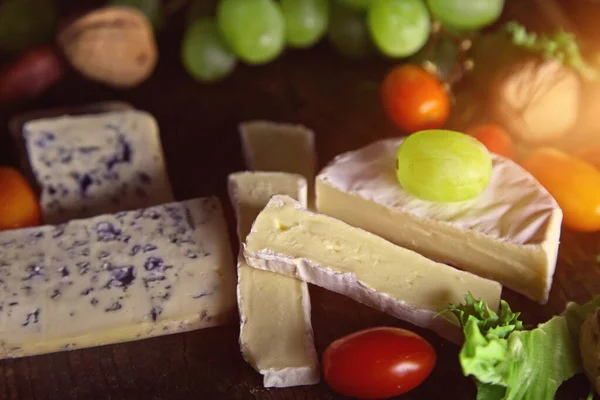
[378, 363]
[415, 99]
[494, 138]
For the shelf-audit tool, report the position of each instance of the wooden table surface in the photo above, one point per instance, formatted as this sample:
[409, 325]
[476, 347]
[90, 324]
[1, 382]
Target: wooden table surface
[338, 99]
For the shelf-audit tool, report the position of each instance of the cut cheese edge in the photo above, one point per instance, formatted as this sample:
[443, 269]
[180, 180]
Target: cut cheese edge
[510, 233]
[276, 335]
[271, 146]
[288, 239]
[115, 278]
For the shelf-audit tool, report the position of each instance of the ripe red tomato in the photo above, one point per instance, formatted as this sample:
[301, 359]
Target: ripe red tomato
[19, 206]
[415, 99]
[494, 138]
[378, 363]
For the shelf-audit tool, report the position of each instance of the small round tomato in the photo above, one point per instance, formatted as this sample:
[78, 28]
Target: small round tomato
[574, 184]
[19, 207]
[415, 99]
[589, 154]
[378, 363]
[496, 139]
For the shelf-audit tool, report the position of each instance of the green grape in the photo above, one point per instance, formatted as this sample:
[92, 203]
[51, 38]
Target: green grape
[442, 165]
[254, 29]
[305, 21]
[399, 28]
[466, 15]
[204, 55]
[356, 4]
[151, 8]
[348, 32]
[26, 23]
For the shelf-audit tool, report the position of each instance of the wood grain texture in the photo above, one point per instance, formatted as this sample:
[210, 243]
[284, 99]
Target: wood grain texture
[339, 100]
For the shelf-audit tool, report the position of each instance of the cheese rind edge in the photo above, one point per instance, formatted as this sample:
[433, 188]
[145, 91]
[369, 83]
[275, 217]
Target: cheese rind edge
[306, 371]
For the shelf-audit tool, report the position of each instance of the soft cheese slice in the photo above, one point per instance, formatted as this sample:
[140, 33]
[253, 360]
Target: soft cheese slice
[115, 278]
[270, 146]
[96, 164]
[318, 249]
[510, 233]
[276, 334]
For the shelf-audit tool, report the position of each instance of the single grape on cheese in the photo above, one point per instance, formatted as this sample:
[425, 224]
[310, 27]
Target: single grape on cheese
[95, 164]
[115, 278]
[441, 165]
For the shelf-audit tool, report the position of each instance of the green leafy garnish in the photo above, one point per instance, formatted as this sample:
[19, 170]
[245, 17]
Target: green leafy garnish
[509, 362]
[561, 46]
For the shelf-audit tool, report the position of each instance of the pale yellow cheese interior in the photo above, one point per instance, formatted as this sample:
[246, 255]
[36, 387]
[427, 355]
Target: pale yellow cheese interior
[272, 306]
[287, 230]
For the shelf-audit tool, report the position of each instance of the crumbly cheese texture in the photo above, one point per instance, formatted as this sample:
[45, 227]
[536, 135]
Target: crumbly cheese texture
[509, 233]
[276, 335]
[271, 146]
[288, 239]
[115, 278]
[96, 164]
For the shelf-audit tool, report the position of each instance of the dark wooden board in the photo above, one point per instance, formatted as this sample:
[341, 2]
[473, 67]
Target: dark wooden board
[339, 100]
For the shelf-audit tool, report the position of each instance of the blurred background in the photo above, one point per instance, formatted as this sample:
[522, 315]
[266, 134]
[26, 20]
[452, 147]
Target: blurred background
[520, 74]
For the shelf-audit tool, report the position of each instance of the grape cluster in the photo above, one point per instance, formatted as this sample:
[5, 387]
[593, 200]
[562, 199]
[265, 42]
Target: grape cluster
[257, 31]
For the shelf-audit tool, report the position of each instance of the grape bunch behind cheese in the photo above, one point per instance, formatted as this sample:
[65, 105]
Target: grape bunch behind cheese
[256, 32]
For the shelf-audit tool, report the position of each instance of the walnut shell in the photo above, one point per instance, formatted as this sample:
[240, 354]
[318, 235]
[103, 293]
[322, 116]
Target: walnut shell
[589, 347]
[113, 45]
[537, 101]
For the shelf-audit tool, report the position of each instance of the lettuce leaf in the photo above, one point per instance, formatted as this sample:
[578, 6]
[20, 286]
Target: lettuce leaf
[509, 362]
[561, 46]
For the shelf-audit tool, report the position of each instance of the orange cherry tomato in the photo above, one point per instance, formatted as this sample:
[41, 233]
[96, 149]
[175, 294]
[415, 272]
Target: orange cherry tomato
[590, 154]
[496, 139]
[574, 184]
[415, 99]
[378, 363]
[19, 207]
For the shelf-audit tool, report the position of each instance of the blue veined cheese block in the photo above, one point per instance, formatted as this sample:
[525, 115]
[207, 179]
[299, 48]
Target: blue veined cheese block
[115, 278]
[95, 164]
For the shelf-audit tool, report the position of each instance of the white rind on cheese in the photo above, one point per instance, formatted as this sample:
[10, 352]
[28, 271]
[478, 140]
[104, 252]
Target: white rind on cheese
[271, 146]
[276, 335]
[96, 164]
[510, 233]
[115, 278]
[290, 240]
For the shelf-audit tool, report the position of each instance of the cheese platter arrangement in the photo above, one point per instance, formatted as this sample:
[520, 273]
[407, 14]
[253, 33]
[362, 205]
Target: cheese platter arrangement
[273, 235]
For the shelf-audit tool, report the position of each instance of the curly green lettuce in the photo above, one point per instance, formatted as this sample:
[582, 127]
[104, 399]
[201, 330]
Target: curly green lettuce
[510, 362]
[560, 45]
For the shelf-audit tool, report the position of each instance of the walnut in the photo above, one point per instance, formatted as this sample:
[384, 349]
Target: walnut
[538, 101]
[113, 45]
[589, 347]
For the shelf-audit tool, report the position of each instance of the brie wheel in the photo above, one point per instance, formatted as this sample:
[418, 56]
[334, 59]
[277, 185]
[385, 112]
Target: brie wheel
[509, 233]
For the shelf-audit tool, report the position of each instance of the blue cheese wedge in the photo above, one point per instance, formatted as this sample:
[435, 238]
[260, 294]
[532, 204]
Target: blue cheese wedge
[276, 335]
[96, 164]
[288, 239]
[115, 278]
[509, 233]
